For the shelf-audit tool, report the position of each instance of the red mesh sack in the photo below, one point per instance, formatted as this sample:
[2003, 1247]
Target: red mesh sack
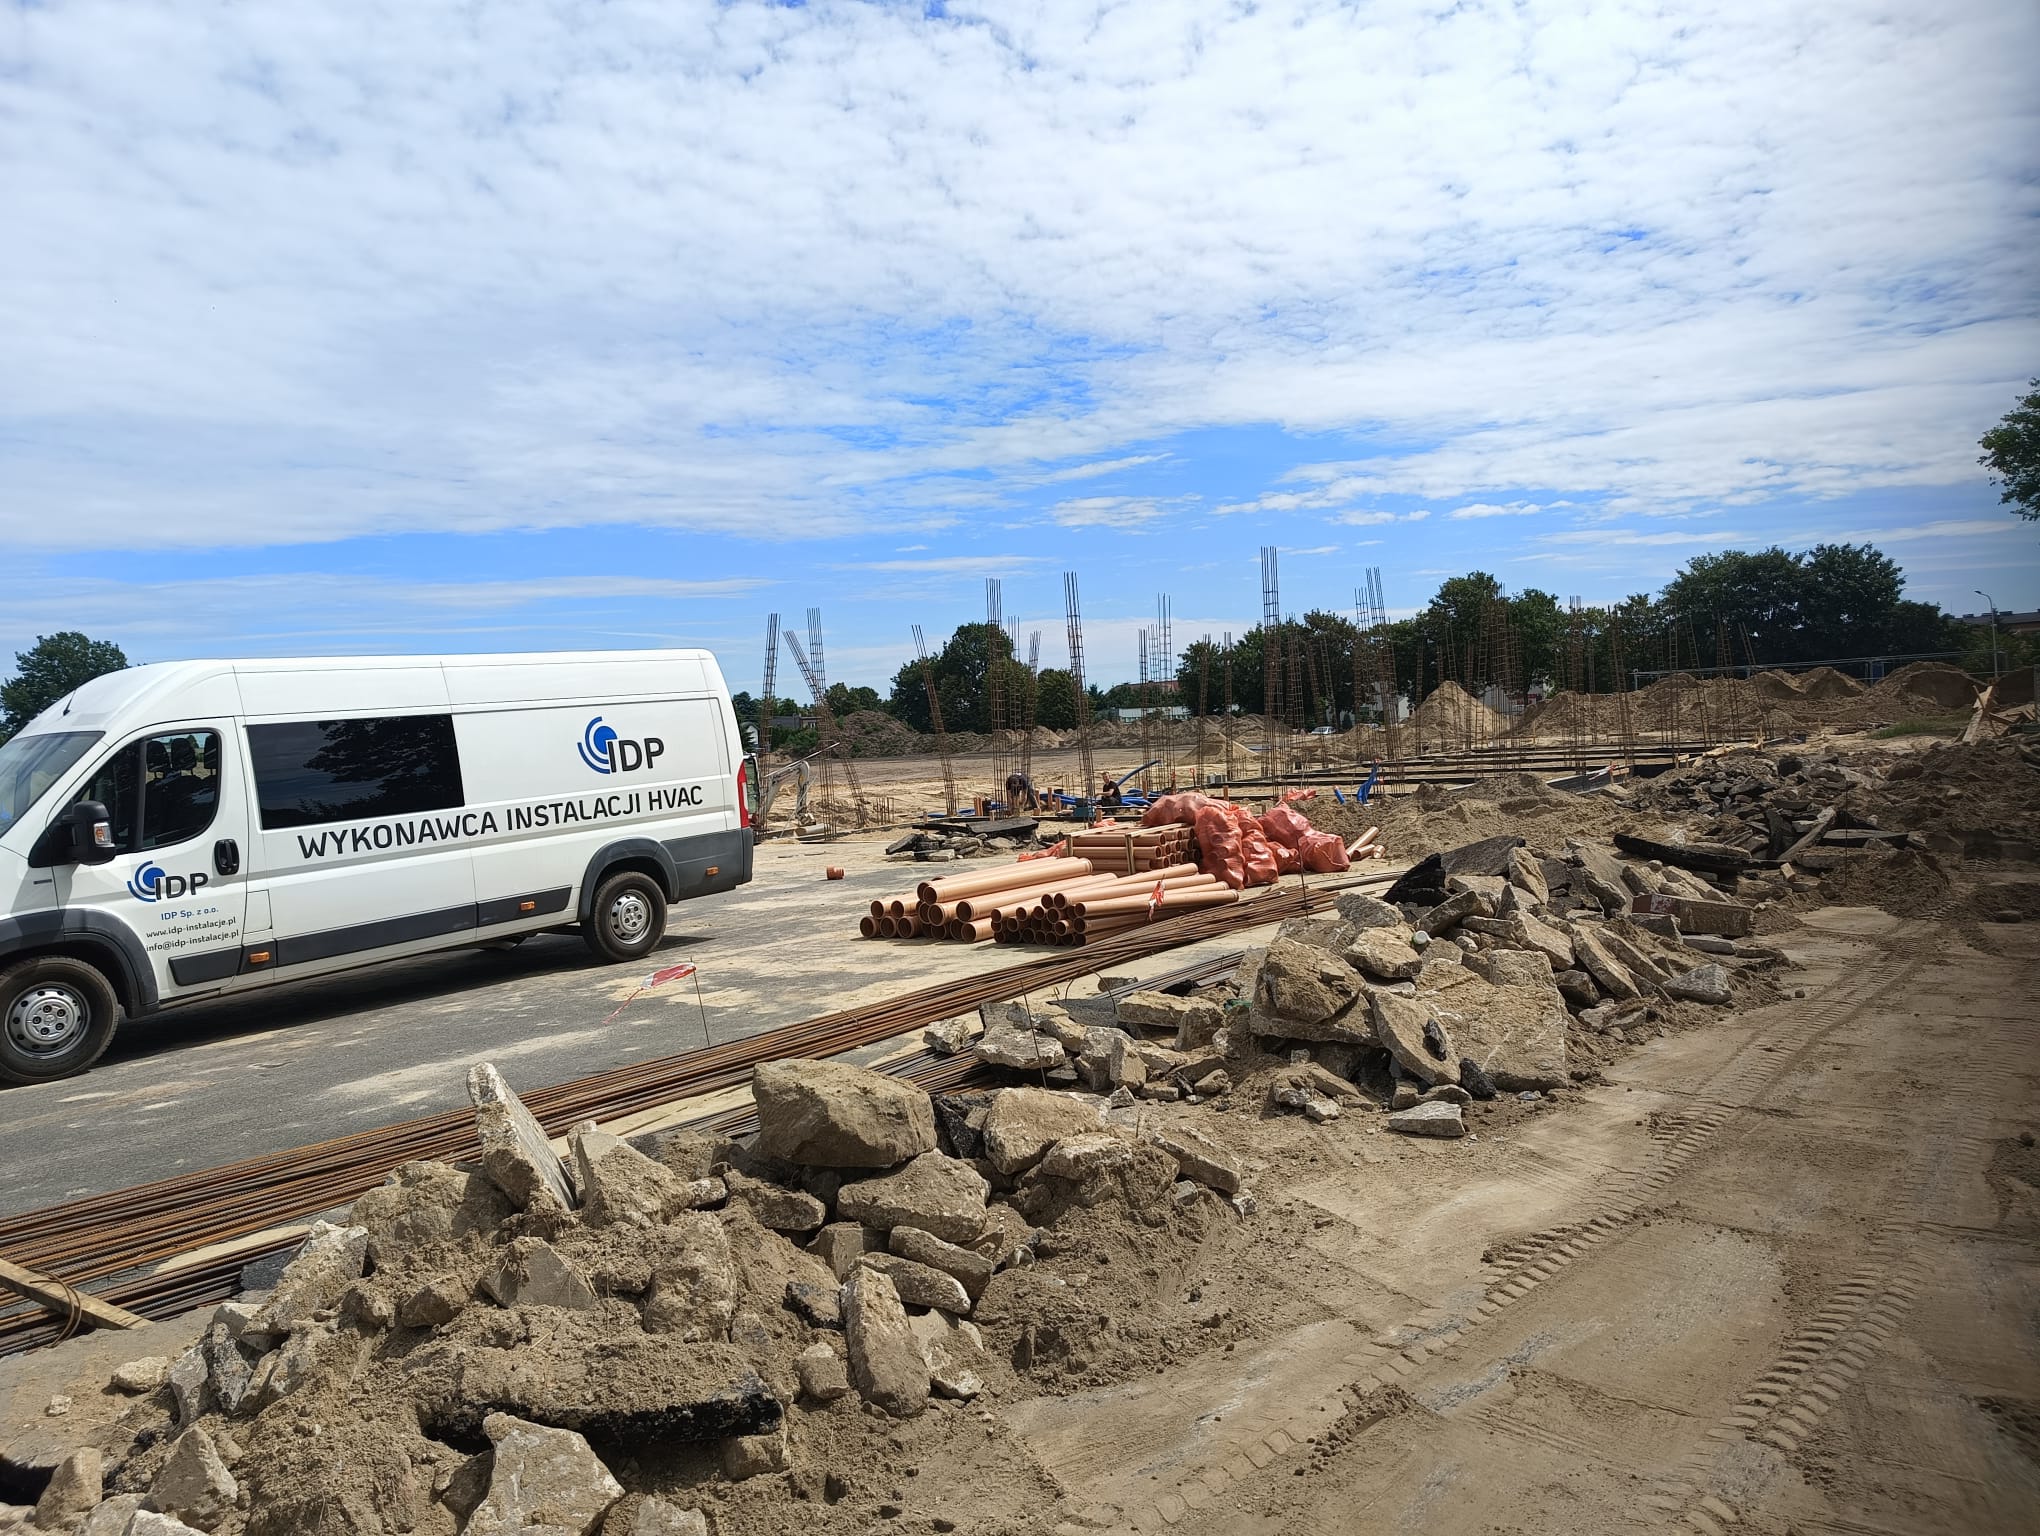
[1285, 827]
[1218, 844]
[1181, 806]
[1323, 853]
[1258, 854]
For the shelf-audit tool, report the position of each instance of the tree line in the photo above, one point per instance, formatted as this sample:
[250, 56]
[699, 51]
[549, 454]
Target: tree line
[1738, 608]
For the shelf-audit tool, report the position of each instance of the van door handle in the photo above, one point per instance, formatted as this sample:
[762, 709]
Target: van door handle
[226, 856]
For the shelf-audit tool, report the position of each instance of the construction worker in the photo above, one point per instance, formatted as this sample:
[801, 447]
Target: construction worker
[1020, 794]
[1108, 792]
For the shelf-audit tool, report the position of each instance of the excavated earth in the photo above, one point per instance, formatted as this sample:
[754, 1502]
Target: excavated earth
[1767, 1266]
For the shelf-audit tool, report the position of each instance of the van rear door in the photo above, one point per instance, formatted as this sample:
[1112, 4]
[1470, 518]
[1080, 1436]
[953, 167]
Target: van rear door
[177, 798]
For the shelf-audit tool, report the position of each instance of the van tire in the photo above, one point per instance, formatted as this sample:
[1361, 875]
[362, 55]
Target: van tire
[57, 1017]
[629, 917]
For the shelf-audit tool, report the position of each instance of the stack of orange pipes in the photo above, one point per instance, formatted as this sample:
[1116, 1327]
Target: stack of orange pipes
[1048, 901]
[1129, 850]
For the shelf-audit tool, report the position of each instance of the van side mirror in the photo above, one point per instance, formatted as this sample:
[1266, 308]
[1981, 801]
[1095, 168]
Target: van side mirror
[88, 833]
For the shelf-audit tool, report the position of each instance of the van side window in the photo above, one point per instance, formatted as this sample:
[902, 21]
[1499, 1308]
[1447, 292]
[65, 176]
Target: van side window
[117, 786]
[180, 787]
[313, 771]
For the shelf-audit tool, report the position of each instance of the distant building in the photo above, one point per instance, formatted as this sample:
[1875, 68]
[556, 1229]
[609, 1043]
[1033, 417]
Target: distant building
[2008, 623]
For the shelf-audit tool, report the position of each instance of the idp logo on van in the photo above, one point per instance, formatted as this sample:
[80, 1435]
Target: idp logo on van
[150, 883]
[606, 752]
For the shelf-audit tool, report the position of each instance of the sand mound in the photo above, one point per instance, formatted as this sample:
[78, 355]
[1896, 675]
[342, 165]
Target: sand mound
[1450, 711]
[1827, 683]
[1929, 682]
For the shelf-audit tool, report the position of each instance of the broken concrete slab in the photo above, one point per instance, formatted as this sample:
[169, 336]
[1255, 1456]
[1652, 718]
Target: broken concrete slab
[541, 1480]
[1526, 873]
[919, 1285]
[1432, 1119]
[937, 1193]
[842, 1243]
[831, 1115]
[886, 1363]
[1516, 1034]
[1364, 911]
[1599, 961]
[193, 1484]
[1199, 1157]
[823, 1375]
[517, 1155]
[620, 1186]
[1019, 1050]
[655, 1517]
[1598, 873]
[73, 1490]
[531, 1273]
[328, 1261]
[1385, 953]
[775, 1208]
[1408, 1029]
[948, 1037]
[1305, 989]
[1086, 1156]
[969, 1268]
[1702, 984]
[1718, 919]
[1023, 1123]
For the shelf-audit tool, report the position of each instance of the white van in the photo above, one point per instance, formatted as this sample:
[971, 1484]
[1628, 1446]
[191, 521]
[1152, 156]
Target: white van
[199, 828]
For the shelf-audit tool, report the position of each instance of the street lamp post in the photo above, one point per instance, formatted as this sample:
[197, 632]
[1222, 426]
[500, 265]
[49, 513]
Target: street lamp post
[1993, 630]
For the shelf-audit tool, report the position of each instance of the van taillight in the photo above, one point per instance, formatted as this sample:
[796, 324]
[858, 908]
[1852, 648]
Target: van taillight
[743, 796]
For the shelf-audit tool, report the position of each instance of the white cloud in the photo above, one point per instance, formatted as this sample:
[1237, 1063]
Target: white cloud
[967, 565]
[1489, 509]
[1106, 511]
[1631, 537]
[307, 271]
[1101, 467]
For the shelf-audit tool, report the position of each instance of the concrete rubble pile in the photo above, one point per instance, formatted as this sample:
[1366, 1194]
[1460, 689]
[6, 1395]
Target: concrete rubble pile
[1490, 970]
[627, 1336]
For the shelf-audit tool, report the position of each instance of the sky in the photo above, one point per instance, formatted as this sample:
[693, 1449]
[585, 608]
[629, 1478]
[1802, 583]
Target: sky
[389, 327]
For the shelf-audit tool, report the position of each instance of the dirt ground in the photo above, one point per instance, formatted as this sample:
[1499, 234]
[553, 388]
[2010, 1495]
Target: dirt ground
[1771, 1270]
[1777, 1274]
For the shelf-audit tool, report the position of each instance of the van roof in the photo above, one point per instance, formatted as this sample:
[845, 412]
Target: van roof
[92, 705]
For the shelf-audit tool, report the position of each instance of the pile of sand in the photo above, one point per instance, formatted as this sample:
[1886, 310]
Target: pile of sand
[1924, 688]
[1452, 714]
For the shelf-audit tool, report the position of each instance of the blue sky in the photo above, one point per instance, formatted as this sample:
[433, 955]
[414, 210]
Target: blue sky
[384, 327]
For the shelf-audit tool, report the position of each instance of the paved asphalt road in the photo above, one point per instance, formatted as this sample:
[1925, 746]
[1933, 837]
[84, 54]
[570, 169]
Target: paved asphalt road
[217, 1082]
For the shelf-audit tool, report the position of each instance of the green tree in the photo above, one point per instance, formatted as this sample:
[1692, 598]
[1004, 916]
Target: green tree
[49, 669]
[844, 700]
[962, 673]
[2011, 452]
[1055, 700]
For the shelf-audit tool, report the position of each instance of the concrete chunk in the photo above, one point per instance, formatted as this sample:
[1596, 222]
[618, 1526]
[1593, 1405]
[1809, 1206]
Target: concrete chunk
[194, 1483]
[329, 1260]
[827, 1114]
[935, 1192]
[886, 1363]
[655, 1517]
[72, 1491]
[621, 1187]
[1404, 1027]
[1436, 1118]
[919, 1285]
[1199, 1157]
[531, 1273]
[842, 1243]
[823, 1376]
[1020, 1127]
[1702, 984]
[970, 1269]
[516, 1153]
[543, 1480]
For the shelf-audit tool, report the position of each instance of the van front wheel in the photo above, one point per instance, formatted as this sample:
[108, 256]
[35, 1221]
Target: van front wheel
[56, 1018]
[629, 917]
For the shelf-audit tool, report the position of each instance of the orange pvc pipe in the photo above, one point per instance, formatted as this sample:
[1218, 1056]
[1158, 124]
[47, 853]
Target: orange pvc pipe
[1008, 875]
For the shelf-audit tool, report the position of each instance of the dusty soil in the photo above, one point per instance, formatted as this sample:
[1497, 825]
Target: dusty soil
[1777, 1273]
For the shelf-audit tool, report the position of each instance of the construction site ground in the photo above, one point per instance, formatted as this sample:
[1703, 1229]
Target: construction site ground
[1774, 1272]
[216, 1082]
[1782, 1268]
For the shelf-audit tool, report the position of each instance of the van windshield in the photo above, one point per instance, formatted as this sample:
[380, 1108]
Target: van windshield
[31, 764]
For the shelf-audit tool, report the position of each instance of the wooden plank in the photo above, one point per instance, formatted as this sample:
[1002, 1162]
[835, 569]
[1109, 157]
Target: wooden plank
[56, 1297]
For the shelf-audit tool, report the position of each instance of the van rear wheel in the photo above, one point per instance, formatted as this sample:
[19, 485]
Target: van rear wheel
[57, 1017]
[629, 917]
